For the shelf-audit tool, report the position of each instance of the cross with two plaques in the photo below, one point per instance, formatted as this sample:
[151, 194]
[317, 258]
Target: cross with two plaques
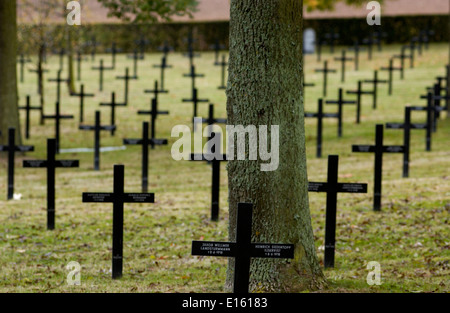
[101, 68]
[359, 93]
[154, 113]
[51, 164]
[375, 81]
[332, 187]
[12, 148]
[113, 104]
[118, 197]
[243, 249]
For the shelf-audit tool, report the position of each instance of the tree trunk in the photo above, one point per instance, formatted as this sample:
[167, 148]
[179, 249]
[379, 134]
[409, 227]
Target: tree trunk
[9, 111]
[266, 88]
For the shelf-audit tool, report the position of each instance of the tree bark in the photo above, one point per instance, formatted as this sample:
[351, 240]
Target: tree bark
[265, 87]
[9, 111]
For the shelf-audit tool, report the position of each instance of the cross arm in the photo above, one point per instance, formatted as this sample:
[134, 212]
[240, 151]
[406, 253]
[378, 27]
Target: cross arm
[363, 148]
[35, 163]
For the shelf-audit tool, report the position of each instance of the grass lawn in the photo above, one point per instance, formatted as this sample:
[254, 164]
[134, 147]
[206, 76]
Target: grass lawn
[409, 237]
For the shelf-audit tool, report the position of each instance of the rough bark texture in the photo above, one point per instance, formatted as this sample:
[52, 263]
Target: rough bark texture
[265, 88]
[9, 112]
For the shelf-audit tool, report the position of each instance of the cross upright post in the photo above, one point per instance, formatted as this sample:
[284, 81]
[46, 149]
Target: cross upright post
[193, 75]
[195, 100]
[127, 79]
[101, 69]
[223, 65]
[58, 80]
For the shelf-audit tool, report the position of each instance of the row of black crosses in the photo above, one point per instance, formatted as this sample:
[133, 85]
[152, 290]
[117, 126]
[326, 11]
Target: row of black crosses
[331, 39]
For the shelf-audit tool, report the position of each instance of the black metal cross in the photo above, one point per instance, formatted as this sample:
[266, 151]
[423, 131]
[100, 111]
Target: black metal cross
[224, 65]
[402, 56]
[331, 38]
[101, 69]
[378, 149]
[136, 57]
[82, 95]
[343, 59]
[430, 110]
[332, 187]
[156, 91]
[113, 50]
[58, 80]
[215, 158]
[357, 49]
[79, 58]
[325, 70]
[375, 81]
[412, 47]
[359, 93]
[211, 119]
[320, 115]
[58, 117]
[113, 104]
[193, 75]
[195, 100]
[12, 149]
[23, 60]
[145, 142]
[118, 197]
[28, 108]
[93, 44]
[40, 76]
[127, 79]
[61, 53]
[163, 67]
[243, 249]
[217, 46]
[142, 44]
[97, 128]
[369, 42]
[51, 164]
[340, 102]
[406, 126]
[436, 98]
[391, 70]
[154, 113]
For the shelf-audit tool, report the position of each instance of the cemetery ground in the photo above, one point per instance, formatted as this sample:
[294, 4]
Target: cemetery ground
[409, 237]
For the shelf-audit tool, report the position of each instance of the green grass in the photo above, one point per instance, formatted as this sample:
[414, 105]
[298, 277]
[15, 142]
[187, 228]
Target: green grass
[409, 238]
